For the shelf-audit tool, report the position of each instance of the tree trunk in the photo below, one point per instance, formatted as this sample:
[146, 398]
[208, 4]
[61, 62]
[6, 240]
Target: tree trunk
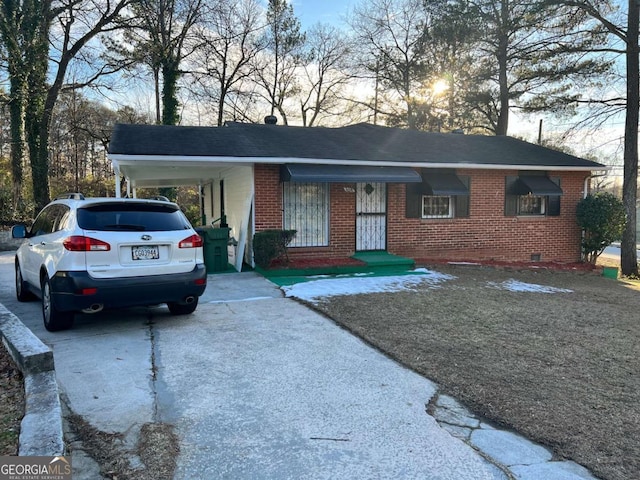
[629, 257]
[170, 75]
[16, 112]
[502, 124]
[156, 85]
[37, 132]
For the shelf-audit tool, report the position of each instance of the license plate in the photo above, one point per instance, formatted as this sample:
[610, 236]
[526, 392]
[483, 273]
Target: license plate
[145, 252]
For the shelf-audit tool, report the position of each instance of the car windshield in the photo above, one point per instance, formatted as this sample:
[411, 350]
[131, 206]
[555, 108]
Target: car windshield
[132, 217]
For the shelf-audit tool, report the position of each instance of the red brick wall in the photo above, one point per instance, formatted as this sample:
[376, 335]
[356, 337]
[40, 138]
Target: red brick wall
[267, 197]
[487, 234]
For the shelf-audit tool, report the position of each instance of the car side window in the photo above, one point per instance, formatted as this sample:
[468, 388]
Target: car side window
[51, 219]
[62, 217]
[44, 222]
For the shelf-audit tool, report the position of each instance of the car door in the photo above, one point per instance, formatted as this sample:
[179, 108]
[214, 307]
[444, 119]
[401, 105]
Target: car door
[42, 243]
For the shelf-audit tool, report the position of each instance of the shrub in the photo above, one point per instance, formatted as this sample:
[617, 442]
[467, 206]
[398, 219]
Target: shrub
[269, 245]
[602, 219]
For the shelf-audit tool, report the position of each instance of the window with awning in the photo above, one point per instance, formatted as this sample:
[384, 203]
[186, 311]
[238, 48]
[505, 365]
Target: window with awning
[441, 194]
[532, 194]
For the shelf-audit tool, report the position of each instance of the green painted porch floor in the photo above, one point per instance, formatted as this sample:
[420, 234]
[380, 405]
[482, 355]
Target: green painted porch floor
[375, 264]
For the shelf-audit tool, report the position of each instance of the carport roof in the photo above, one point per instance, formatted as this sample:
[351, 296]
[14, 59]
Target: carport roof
[360, 144]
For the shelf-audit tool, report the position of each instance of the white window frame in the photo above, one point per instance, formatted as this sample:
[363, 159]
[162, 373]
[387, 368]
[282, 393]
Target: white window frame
[450, 211]
[311, 222]
[542, 208]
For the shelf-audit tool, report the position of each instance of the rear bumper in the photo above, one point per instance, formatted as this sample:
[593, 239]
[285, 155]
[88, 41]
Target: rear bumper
[67, 287]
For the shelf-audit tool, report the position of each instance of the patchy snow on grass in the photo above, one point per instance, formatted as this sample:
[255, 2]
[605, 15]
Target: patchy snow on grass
[320, 288]
[516, 286]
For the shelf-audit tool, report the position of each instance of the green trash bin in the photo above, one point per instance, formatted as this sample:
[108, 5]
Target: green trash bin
[215, 241]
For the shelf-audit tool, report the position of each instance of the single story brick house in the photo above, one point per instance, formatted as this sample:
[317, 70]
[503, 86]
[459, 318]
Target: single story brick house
[363, 187]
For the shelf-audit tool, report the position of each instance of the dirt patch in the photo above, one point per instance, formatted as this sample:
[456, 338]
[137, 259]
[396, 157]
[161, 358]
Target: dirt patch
[11, 403]
[157, 449]
[561, 368]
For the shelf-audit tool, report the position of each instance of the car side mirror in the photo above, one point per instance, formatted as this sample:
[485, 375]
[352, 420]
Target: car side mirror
[18, 231]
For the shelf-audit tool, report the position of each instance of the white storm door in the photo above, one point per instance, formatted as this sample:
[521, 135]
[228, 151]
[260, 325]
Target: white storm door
[371, 216]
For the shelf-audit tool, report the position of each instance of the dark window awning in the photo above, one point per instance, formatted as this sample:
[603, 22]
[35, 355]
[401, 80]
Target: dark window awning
[308, 173]
[538, 185]
[444, 184]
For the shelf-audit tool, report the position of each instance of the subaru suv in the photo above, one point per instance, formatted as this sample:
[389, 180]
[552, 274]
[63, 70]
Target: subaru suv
[87, 254]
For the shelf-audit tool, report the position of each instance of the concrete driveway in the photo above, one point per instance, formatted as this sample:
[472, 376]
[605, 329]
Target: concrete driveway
[257, 386]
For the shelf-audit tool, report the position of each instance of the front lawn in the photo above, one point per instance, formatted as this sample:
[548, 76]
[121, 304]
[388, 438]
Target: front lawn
[560, 368]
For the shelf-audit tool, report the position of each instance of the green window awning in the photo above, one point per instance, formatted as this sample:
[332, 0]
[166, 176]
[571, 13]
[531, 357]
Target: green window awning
[443, 184]
[310, 173]
[539, 185]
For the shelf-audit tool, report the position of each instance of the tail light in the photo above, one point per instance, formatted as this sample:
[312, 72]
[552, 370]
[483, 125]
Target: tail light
[78, 243]
[194, 241]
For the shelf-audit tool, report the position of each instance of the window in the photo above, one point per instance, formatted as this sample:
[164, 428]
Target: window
[132, 217]
[531, 205]
[50, 220]
[531, 194]
[437, 206]
[306, 210]
[441, 194]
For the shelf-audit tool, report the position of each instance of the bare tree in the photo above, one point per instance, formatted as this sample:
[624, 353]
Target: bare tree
[229, 46]
[162, 38]
[392, 36]
[627, 34]
[53, 34]
[325, 74]
[283, 41]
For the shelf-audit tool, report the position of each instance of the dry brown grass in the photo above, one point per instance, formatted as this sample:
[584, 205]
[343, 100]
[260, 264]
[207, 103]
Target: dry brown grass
[157, 448]
[560, 368]
[11, 403]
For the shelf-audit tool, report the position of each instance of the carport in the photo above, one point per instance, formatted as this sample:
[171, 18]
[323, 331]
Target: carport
[225, 183]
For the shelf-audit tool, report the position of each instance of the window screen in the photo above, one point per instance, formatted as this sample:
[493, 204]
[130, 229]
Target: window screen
[306, 210]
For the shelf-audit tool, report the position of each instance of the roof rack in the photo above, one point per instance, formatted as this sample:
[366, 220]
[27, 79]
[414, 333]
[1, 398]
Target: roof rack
[70, 196]
[160, 197]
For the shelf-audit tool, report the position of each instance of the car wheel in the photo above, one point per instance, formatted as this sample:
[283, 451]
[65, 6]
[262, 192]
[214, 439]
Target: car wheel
[182, 308]
[22, 292]
[54, 319]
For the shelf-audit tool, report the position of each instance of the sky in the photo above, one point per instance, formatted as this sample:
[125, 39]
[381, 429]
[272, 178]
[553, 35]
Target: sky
[326, 11]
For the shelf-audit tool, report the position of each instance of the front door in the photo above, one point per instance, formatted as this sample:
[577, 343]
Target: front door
[371, 216]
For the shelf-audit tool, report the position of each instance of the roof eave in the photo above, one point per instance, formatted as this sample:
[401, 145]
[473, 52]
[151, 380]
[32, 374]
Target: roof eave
[119, 160]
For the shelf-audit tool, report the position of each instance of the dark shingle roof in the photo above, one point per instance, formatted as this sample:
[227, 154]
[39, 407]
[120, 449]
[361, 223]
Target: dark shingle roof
[362, 142]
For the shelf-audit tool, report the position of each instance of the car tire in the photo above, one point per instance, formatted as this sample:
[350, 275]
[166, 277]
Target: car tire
[22, 291]
[54, 319]
[182, 308]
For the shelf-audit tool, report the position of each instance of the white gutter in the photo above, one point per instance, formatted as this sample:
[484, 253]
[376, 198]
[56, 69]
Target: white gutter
[123, 160]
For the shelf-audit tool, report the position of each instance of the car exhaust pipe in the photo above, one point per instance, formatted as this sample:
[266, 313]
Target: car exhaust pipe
[95, 308]
[190, 299]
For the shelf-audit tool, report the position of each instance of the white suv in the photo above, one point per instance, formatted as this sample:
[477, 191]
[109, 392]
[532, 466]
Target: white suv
[86, 254]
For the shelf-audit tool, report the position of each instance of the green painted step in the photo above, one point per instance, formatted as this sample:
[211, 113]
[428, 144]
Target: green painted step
[383, 259]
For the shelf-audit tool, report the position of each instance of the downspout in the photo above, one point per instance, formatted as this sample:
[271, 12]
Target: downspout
[585, 190]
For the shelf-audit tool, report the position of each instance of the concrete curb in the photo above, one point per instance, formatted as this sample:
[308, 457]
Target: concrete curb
[41, 428]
